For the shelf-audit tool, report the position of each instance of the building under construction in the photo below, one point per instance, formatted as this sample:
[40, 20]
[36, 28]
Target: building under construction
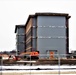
[47, 33]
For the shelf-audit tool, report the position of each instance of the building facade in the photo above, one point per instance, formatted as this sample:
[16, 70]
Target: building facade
[20, 38]
[46, 32]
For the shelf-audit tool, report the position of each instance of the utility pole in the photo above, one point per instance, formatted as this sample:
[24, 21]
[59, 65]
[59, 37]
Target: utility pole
[59, 64]
[1, 63]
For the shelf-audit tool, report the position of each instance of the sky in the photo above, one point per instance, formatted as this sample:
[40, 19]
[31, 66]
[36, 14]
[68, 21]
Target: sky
[15, 12]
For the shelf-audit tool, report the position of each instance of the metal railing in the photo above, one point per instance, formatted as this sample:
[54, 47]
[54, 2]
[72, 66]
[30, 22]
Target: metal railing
[32, 68]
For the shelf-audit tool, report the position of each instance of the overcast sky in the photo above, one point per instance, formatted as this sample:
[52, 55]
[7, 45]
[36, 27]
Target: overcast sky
[14, 12]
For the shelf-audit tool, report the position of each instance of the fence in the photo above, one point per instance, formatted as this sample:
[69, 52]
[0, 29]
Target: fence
[58, 64]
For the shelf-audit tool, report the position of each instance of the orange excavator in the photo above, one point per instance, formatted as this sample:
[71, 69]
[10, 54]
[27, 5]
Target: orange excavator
[34, 55]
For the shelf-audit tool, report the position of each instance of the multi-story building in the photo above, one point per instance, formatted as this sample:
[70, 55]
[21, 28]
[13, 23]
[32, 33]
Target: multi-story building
[20, 38]
[46, 32]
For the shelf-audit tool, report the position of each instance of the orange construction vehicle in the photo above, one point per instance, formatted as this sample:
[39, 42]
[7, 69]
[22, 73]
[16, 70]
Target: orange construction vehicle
[30, 55]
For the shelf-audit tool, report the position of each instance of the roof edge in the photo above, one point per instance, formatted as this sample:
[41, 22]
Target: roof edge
[47, 14]
[18, 26]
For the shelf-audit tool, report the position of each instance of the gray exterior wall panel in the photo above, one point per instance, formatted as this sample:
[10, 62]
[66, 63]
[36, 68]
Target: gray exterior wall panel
[57, 40]
[21, 30]
[20, 40]
[51, 21]
[49, 31]
[51, 44]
